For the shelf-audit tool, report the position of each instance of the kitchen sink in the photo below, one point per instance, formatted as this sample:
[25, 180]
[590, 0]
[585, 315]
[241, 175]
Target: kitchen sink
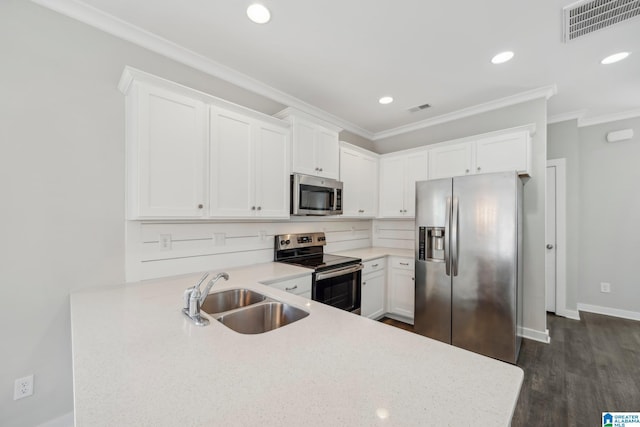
[249, 312]
[220, 302]
[262, 317]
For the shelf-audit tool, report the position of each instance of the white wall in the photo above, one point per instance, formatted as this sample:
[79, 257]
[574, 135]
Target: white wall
[534, 190]
[609, 220]
[62, 187]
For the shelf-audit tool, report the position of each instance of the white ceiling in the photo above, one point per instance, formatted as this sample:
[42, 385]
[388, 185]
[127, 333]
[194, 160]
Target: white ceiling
[342, 55]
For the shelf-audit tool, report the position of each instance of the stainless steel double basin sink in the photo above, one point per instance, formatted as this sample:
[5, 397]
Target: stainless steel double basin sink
[249, 312]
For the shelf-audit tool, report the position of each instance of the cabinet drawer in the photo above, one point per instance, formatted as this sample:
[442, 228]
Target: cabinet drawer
[403, 263]
[373, 265]
[297, 286]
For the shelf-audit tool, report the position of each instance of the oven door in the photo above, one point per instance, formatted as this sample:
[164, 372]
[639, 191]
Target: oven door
[339, 288]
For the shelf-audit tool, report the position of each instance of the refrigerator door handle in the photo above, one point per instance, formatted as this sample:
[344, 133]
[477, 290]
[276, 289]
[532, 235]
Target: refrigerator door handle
[447, 224]
[454, 238]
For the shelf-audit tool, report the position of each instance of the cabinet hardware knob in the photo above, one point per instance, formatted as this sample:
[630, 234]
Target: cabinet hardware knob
[404, 263]
[291, 289]
[400, 210]
[364, 283]
[478, 168]
[253, 208]
[200, 206]
[549, 246]
[317, 169]
[413, 278]
[374, 265]
[466, 171]
[259, 208]
[321, 169]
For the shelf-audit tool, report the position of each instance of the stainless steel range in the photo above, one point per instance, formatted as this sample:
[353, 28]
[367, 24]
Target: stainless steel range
[336, 279]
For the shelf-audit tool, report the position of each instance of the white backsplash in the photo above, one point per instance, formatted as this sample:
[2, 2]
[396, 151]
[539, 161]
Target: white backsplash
[210, 246]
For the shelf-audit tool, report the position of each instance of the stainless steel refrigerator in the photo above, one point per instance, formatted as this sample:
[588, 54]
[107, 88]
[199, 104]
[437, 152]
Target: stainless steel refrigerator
[469, 262]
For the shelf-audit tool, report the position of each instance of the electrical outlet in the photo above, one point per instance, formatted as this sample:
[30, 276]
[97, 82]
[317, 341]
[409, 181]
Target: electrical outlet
[165, 242]
[219, 239]
[23, 387]
[605, 287]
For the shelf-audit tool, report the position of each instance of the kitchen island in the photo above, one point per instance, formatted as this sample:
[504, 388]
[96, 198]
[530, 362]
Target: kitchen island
[138, 361]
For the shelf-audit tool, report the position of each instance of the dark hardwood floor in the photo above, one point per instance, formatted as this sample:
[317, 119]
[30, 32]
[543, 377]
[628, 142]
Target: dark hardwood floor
[591, 366]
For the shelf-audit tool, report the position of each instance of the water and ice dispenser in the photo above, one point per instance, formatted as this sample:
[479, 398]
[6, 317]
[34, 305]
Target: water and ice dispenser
[431, 244]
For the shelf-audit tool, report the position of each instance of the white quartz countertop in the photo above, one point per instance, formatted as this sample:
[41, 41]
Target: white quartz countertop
[138, 361]
[367, 254]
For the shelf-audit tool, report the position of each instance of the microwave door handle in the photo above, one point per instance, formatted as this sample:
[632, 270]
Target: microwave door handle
[339, 272]
[335, 199]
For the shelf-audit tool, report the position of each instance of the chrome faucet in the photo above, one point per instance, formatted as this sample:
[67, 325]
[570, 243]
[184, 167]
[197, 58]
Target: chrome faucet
[193, 298]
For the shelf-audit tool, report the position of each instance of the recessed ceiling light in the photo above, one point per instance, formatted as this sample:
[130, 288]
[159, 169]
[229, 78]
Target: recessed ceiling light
[385, 100]
[502, 57]
[614, 58]
[258, 13]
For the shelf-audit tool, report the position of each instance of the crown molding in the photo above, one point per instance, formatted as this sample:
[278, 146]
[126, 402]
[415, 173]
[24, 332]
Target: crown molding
[572, 115]
[543, 92]
[136, 35]
[631, 114]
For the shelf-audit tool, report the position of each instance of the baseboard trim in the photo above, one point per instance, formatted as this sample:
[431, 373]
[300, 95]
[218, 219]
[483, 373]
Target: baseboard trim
[534, 335]
[569, 314]
[65, 420]
[608, 311]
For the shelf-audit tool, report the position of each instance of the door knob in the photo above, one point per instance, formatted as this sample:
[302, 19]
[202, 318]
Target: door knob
[549, 246]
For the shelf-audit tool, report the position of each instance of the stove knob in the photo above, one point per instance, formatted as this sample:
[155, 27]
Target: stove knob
[288, 241]
[282, 242]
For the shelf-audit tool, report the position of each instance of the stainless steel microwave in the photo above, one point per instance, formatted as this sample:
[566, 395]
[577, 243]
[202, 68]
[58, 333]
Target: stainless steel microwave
[313, 195]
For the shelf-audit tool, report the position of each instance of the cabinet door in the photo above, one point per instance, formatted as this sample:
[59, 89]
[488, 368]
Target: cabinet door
[271, 151]
[232, 182]
[327, 153]
[350, 176]
[304, 141]
[416, 170]
[448, 161]
[373, 295]
[402, 292]
[368, 186]
[392, 178]
[167, 169]
[503, 153]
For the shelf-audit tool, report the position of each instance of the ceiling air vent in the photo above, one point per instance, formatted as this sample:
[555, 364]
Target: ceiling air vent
[423, 106]
[586, 17]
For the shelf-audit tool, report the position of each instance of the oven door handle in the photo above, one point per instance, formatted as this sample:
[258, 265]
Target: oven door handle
[339, 272]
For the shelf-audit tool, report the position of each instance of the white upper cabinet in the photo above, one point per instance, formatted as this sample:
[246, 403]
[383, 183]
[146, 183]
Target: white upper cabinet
[249, 167]
[450, 160]
[359, 175]
[232, 182]
[483, 154]
[504, 153]
[315, 145]
[191, 155]
[398, 177]
[272, 170]
[166, 147]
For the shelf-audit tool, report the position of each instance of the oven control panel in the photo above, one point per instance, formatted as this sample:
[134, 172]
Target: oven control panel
[303, 240]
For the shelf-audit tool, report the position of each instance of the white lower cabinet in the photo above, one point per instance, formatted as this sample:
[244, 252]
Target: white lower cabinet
[297, 286]
[373, 288]
[401, 287]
